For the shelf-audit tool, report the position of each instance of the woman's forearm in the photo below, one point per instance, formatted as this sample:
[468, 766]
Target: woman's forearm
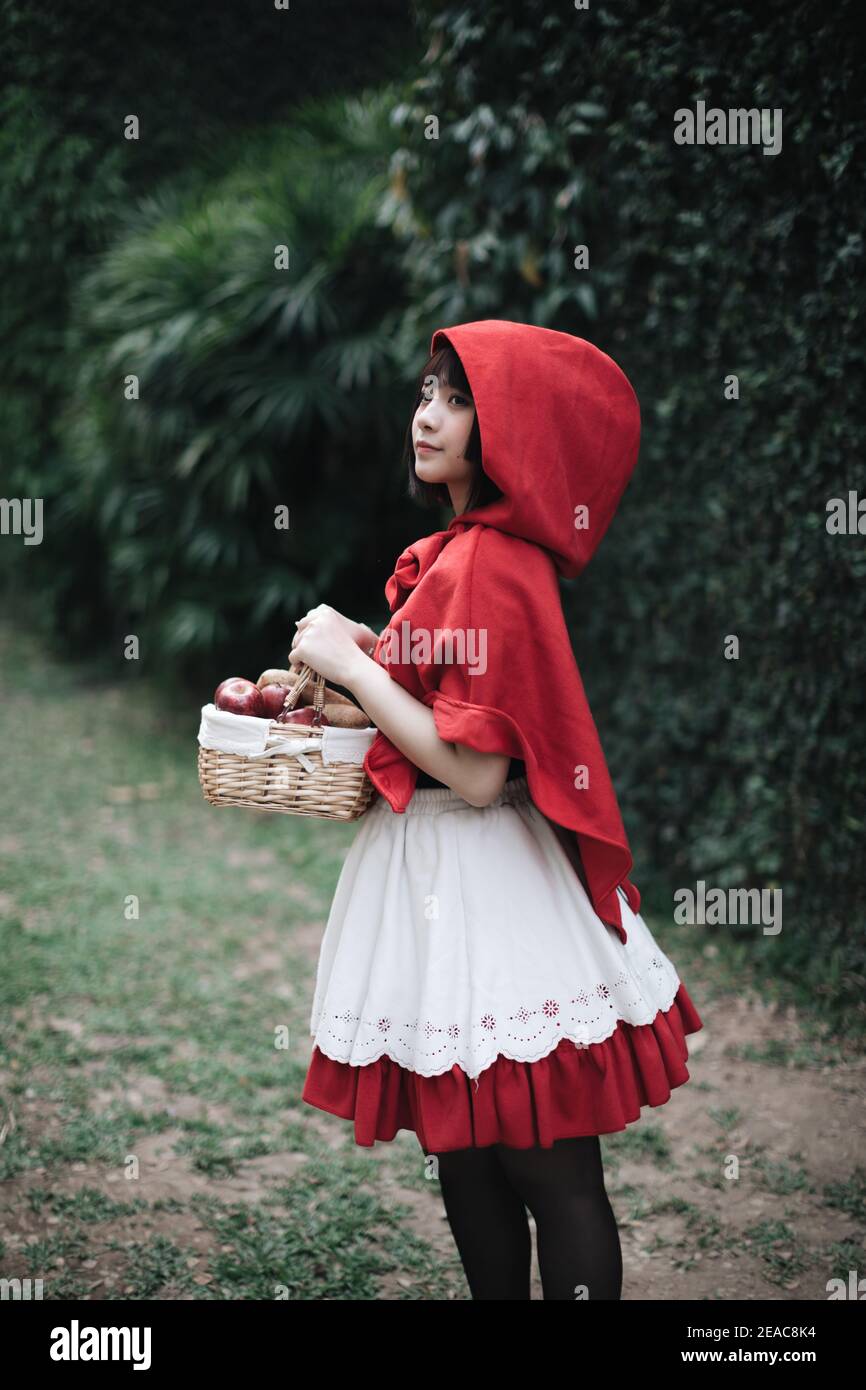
[365, 637]
[410, 726]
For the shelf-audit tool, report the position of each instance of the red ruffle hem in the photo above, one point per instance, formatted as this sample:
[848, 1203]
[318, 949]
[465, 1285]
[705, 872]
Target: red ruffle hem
[569, 1093]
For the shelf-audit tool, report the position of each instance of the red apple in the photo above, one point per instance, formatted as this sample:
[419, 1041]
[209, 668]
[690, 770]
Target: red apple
[305, 715]
[273, 697]
[239, 697]
[222, 685]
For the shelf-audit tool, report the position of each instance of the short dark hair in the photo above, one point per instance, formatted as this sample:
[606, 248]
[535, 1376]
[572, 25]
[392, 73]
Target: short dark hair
[446, 366]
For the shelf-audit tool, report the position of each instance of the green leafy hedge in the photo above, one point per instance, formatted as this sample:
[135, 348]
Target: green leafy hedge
[206, 93]
[264, 395]
[556, 130]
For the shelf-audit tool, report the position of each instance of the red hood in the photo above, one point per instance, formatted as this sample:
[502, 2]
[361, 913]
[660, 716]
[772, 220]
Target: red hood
[560, 430]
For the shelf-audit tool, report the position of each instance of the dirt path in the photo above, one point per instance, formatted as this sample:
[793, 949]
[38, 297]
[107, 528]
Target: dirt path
[690, 1227]
[729, 1190]
[747, 1184]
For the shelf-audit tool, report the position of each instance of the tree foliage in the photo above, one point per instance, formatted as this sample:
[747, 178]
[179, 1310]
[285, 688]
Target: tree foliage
[705, 261]
[464, 193]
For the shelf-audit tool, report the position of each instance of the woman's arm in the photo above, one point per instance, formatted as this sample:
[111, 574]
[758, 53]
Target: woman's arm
[477, 777]
[365, 637]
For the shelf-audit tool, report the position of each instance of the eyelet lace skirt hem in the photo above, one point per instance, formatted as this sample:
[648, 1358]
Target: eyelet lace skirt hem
[571, 1092]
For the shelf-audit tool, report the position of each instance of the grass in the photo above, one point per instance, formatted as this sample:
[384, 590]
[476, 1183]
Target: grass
[159, 963]
[159, 960]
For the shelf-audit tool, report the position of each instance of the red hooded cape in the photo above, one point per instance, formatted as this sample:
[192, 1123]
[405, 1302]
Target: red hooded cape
[477, 629]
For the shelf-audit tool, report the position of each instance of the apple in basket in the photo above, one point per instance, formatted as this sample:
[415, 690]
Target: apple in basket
[305, 715]
[239, 697]
[273, 698]
[339, 711]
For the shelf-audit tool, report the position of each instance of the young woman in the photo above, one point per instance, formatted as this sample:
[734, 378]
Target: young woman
[485, 977]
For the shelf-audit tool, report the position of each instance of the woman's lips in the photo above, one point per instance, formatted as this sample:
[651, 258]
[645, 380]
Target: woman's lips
[433, 448]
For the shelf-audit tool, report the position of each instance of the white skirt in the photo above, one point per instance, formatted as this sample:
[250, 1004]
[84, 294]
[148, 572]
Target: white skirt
[458, 934]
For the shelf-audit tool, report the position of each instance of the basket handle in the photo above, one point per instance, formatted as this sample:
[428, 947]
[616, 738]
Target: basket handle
[304, 674]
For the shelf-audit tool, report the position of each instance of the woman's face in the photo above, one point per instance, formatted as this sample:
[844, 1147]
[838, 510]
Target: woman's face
[443, 421]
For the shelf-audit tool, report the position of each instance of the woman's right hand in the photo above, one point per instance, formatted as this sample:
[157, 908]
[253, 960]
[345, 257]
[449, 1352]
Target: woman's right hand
[360, 634]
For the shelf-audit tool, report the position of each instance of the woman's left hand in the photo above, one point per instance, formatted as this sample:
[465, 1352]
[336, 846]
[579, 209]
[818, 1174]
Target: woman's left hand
[324, 641]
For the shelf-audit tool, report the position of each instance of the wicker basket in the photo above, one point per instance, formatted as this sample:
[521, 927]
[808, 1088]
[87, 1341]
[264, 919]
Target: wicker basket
[298, 769]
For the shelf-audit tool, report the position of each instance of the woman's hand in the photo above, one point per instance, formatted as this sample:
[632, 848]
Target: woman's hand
[327, 641]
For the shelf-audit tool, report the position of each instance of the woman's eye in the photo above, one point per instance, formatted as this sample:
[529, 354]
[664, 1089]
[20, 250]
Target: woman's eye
[427, 396]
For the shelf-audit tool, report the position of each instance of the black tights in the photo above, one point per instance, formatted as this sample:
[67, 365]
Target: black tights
[486, 1191]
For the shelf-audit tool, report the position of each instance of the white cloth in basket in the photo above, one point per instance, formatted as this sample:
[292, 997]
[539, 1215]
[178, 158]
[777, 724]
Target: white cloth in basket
[252, 737]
